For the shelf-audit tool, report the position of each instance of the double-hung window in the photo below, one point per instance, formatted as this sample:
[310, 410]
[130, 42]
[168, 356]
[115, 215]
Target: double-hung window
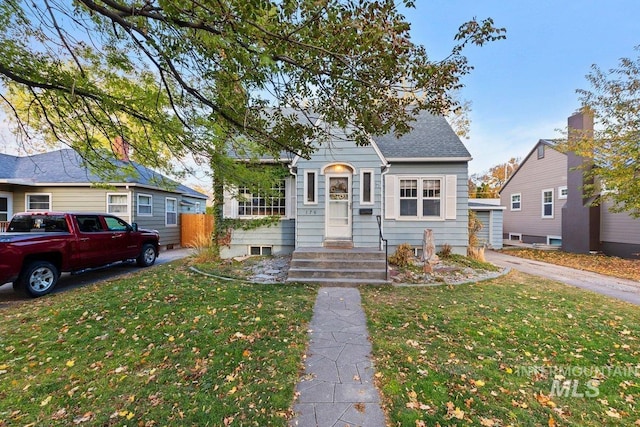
[431, 197]
[408, 197]
[547, 203]
[171, 211]
[271, 203]
[421, 198]
[145, 205]
[118, 203]
[516, 202]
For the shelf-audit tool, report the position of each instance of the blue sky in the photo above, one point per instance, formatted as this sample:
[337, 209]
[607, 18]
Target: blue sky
[523, 88]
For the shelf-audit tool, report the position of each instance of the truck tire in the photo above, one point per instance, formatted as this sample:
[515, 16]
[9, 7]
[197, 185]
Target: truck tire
[147, 256]
[38, 278]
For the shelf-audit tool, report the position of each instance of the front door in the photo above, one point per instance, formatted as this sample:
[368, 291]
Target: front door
[338, 219]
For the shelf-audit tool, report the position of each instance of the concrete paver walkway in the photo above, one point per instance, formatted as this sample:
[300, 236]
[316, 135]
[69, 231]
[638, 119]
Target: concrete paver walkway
[337, 388]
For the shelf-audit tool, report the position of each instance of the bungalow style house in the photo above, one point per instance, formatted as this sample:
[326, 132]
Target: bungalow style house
[349, 196]
[545, 205]
[58, 181]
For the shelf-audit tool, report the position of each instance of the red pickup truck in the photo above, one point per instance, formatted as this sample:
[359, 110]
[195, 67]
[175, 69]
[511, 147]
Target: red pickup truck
[38, 246]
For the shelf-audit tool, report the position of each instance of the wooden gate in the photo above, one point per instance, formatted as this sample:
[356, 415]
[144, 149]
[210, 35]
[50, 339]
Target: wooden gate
[195, 230]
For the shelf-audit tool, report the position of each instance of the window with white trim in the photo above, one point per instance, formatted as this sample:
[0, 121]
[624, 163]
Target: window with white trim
[431, 196]
[562, 192]
[516, 202]
[38, 201]
[145, 205]
[118, 203]
[425, 193]
[197, 209]
[547, 203]
[310, 188]
[252, 204]
[366, 187]
[408, 197]
[171, 211]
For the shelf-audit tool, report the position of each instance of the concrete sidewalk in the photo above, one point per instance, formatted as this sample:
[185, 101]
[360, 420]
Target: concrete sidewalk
[626, 290]
[337, 388]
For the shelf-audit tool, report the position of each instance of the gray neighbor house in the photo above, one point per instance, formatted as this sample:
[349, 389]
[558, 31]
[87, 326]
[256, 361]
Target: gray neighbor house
[545, 205]
[348, 196]
[59, 181]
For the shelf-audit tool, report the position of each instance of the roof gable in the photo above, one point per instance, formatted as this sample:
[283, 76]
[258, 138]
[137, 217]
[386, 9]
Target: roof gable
[66, 166]
[431, 138]
[547, 143]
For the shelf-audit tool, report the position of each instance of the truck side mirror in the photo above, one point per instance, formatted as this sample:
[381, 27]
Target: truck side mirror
[134, 226]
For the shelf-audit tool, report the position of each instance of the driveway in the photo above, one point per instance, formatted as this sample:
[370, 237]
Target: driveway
[626, 290]
[71, 281]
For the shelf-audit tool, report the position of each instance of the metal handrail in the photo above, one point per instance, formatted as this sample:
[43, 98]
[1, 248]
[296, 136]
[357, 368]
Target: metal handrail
[386, 246]
[3, 226]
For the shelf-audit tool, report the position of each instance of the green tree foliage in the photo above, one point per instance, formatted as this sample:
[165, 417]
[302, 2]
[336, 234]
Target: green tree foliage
[193, 73]
[614, 146]
[179, 77]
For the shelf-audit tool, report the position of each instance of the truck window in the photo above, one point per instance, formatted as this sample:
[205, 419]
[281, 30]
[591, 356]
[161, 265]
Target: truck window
[89, 223]
[38, 223]
[116, 224]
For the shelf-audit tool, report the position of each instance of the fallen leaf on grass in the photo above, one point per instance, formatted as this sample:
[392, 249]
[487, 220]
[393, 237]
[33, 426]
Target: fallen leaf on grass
[454, 412]
[613, 413]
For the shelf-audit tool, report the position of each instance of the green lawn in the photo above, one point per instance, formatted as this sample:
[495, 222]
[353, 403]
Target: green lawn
[166, 346]
[517, 351]
[162, 347]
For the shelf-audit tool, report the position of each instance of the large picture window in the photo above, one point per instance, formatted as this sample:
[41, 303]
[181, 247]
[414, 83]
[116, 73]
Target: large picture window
[273, 203]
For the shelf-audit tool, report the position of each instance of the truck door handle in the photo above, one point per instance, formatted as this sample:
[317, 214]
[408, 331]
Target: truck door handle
[116, 236]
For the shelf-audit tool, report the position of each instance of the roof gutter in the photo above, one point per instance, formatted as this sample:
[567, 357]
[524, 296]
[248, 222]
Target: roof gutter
[429, 159]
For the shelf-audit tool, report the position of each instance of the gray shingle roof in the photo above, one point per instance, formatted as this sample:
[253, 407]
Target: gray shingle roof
[66, 167]
[431, 138]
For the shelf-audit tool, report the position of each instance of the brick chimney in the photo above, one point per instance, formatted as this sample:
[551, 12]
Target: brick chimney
[120, 148]
[580, 222]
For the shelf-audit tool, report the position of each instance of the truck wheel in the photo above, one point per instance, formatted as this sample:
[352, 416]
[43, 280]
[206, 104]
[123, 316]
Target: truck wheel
[147, 256]
[38, 278]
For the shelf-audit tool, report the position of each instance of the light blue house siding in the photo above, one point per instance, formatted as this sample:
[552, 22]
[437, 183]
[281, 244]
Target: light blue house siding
[451, 228]
[335, 197]
[490, 214]
[311, 215]
[277, 239]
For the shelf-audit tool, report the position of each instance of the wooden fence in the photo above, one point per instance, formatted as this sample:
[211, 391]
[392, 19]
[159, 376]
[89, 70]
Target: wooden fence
[195, 230]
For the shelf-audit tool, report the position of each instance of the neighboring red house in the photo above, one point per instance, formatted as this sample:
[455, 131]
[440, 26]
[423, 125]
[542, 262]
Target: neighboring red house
[545, 205]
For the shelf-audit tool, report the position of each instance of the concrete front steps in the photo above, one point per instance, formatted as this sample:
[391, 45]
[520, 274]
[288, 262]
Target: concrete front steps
[338, 266]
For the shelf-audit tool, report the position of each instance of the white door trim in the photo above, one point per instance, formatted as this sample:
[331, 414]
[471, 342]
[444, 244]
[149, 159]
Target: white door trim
[9, 197]
[339, 200]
